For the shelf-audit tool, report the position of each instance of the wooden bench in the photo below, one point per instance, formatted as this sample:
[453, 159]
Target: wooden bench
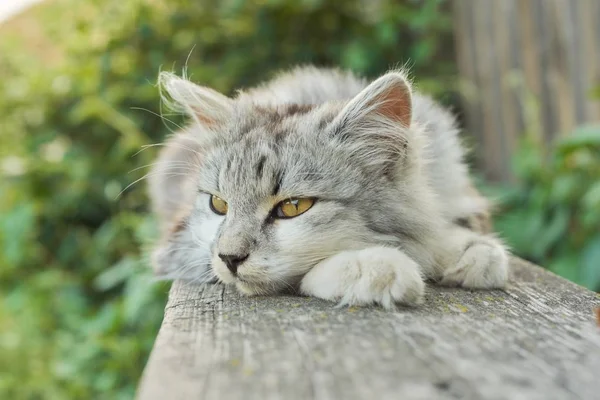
[536, 340]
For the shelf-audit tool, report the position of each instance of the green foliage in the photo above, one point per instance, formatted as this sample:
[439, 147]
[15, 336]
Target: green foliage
[79, 311]
[553, 216]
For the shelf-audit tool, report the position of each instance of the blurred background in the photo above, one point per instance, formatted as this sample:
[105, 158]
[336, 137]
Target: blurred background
[79, 311]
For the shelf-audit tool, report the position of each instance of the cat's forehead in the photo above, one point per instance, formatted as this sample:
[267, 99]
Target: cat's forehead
[281, 150]
[262, 162]
[281, 120]
[271, 136]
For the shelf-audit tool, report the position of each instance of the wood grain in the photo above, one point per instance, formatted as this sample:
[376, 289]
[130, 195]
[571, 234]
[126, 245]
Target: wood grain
[536, 340]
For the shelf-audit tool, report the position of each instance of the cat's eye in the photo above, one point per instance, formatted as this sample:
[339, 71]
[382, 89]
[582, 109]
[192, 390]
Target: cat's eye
[218, 205]
[293, 207]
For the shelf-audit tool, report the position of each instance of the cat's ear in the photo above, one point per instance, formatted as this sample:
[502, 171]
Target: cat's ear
[388, 98]
[207, 106]
[376, 125]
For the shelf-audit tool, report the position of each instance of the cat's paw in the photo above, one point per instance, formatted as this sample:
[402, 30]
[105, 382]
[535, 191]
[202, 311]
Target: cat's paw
[483, 265]
[376, 275]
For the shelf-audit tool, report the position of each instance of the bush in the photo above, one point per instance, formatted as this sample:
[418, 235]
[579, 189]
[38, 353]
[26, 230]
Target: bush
[552, 216]
[80, 313]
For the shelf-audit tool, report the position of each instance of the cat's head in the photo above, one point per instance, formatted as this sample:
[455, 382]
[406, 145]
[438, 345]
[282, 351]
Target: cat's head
[280, 188]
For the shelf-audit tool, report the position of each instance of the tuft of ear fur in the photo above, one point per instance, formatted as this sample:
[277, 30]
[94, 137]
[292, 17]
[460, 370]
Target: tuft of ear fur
[207, 106]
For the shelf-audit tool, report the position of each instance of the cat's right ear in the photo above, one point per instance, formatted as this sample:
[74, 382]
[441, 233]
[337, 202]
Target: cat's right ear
[207, 106]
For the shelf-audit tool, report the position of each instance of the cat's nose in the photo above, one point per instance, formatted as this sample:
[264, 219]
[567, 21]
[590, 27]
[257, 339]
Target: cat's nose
[233, 261]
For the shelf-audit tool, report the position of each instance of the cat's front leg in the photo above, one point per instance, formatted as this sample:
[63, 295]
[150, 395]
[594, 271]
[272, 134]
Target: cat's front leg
[376, 275]
[481, 261]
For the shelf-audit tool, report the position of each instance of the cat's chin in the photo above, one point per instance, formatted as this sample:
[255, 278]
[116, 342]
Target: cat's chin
[267, 288]
[254, 289]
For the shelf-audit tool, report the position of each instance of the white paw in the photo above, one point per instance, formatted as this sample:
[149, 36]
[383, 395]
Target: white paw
[377, 275]
[483, 265]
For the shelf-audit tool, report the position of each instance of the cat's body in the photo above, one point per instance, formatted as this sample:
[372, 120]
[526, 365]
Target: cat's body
[383, 166]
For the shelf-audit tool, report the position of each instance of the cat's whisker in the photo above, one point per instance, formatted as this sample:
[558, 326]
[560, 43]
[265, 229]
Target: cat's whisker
[286, 284]
[161, 116]
[186, 171]
[183, 271]
[174, 249]
[204, 277]
[150, 174]
[168, 144]
[167, 163]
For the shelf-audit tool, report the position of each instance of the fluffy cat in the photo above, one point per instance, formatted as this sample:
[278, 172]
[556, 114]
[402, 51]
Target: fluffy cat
[322, 183]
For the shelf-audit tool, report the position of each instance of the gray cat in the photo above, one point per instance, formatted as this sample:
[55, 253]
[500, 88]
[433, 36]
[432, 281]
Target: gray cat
[322, 183]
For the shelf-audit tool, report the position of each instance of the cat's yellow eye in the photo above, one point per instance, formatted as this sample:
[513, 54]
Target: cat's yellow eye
[218, 205]
[293, 207]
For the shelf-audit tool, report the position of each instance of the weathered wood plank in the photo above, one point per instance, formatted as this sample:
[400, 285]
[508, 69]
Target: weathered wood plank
[535, 340]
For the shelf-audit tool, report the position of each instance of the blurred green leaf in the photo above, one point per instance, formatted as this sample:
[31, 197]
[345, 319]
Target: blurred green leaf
[585, 136]
[117, 274]
[16, 229]
[591, 262]
[591, 199]
[566, 266]
[553, 230]
[552, 217]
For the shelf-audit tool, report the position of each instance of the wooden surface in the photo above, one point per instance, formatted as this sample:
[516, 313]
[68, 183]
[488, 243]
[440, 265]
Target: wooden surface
[527, 66]
[536, 340]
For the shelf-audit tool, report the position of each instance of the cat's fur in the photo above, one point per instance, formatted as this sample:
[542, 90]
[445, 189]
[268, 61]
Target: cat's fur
[395, 205]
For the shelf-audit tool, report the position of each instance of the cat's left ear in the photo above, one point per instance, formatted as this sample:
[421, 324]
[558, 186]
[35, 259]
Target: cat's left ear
[376, 125]
[207, 106]
[388, 98]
